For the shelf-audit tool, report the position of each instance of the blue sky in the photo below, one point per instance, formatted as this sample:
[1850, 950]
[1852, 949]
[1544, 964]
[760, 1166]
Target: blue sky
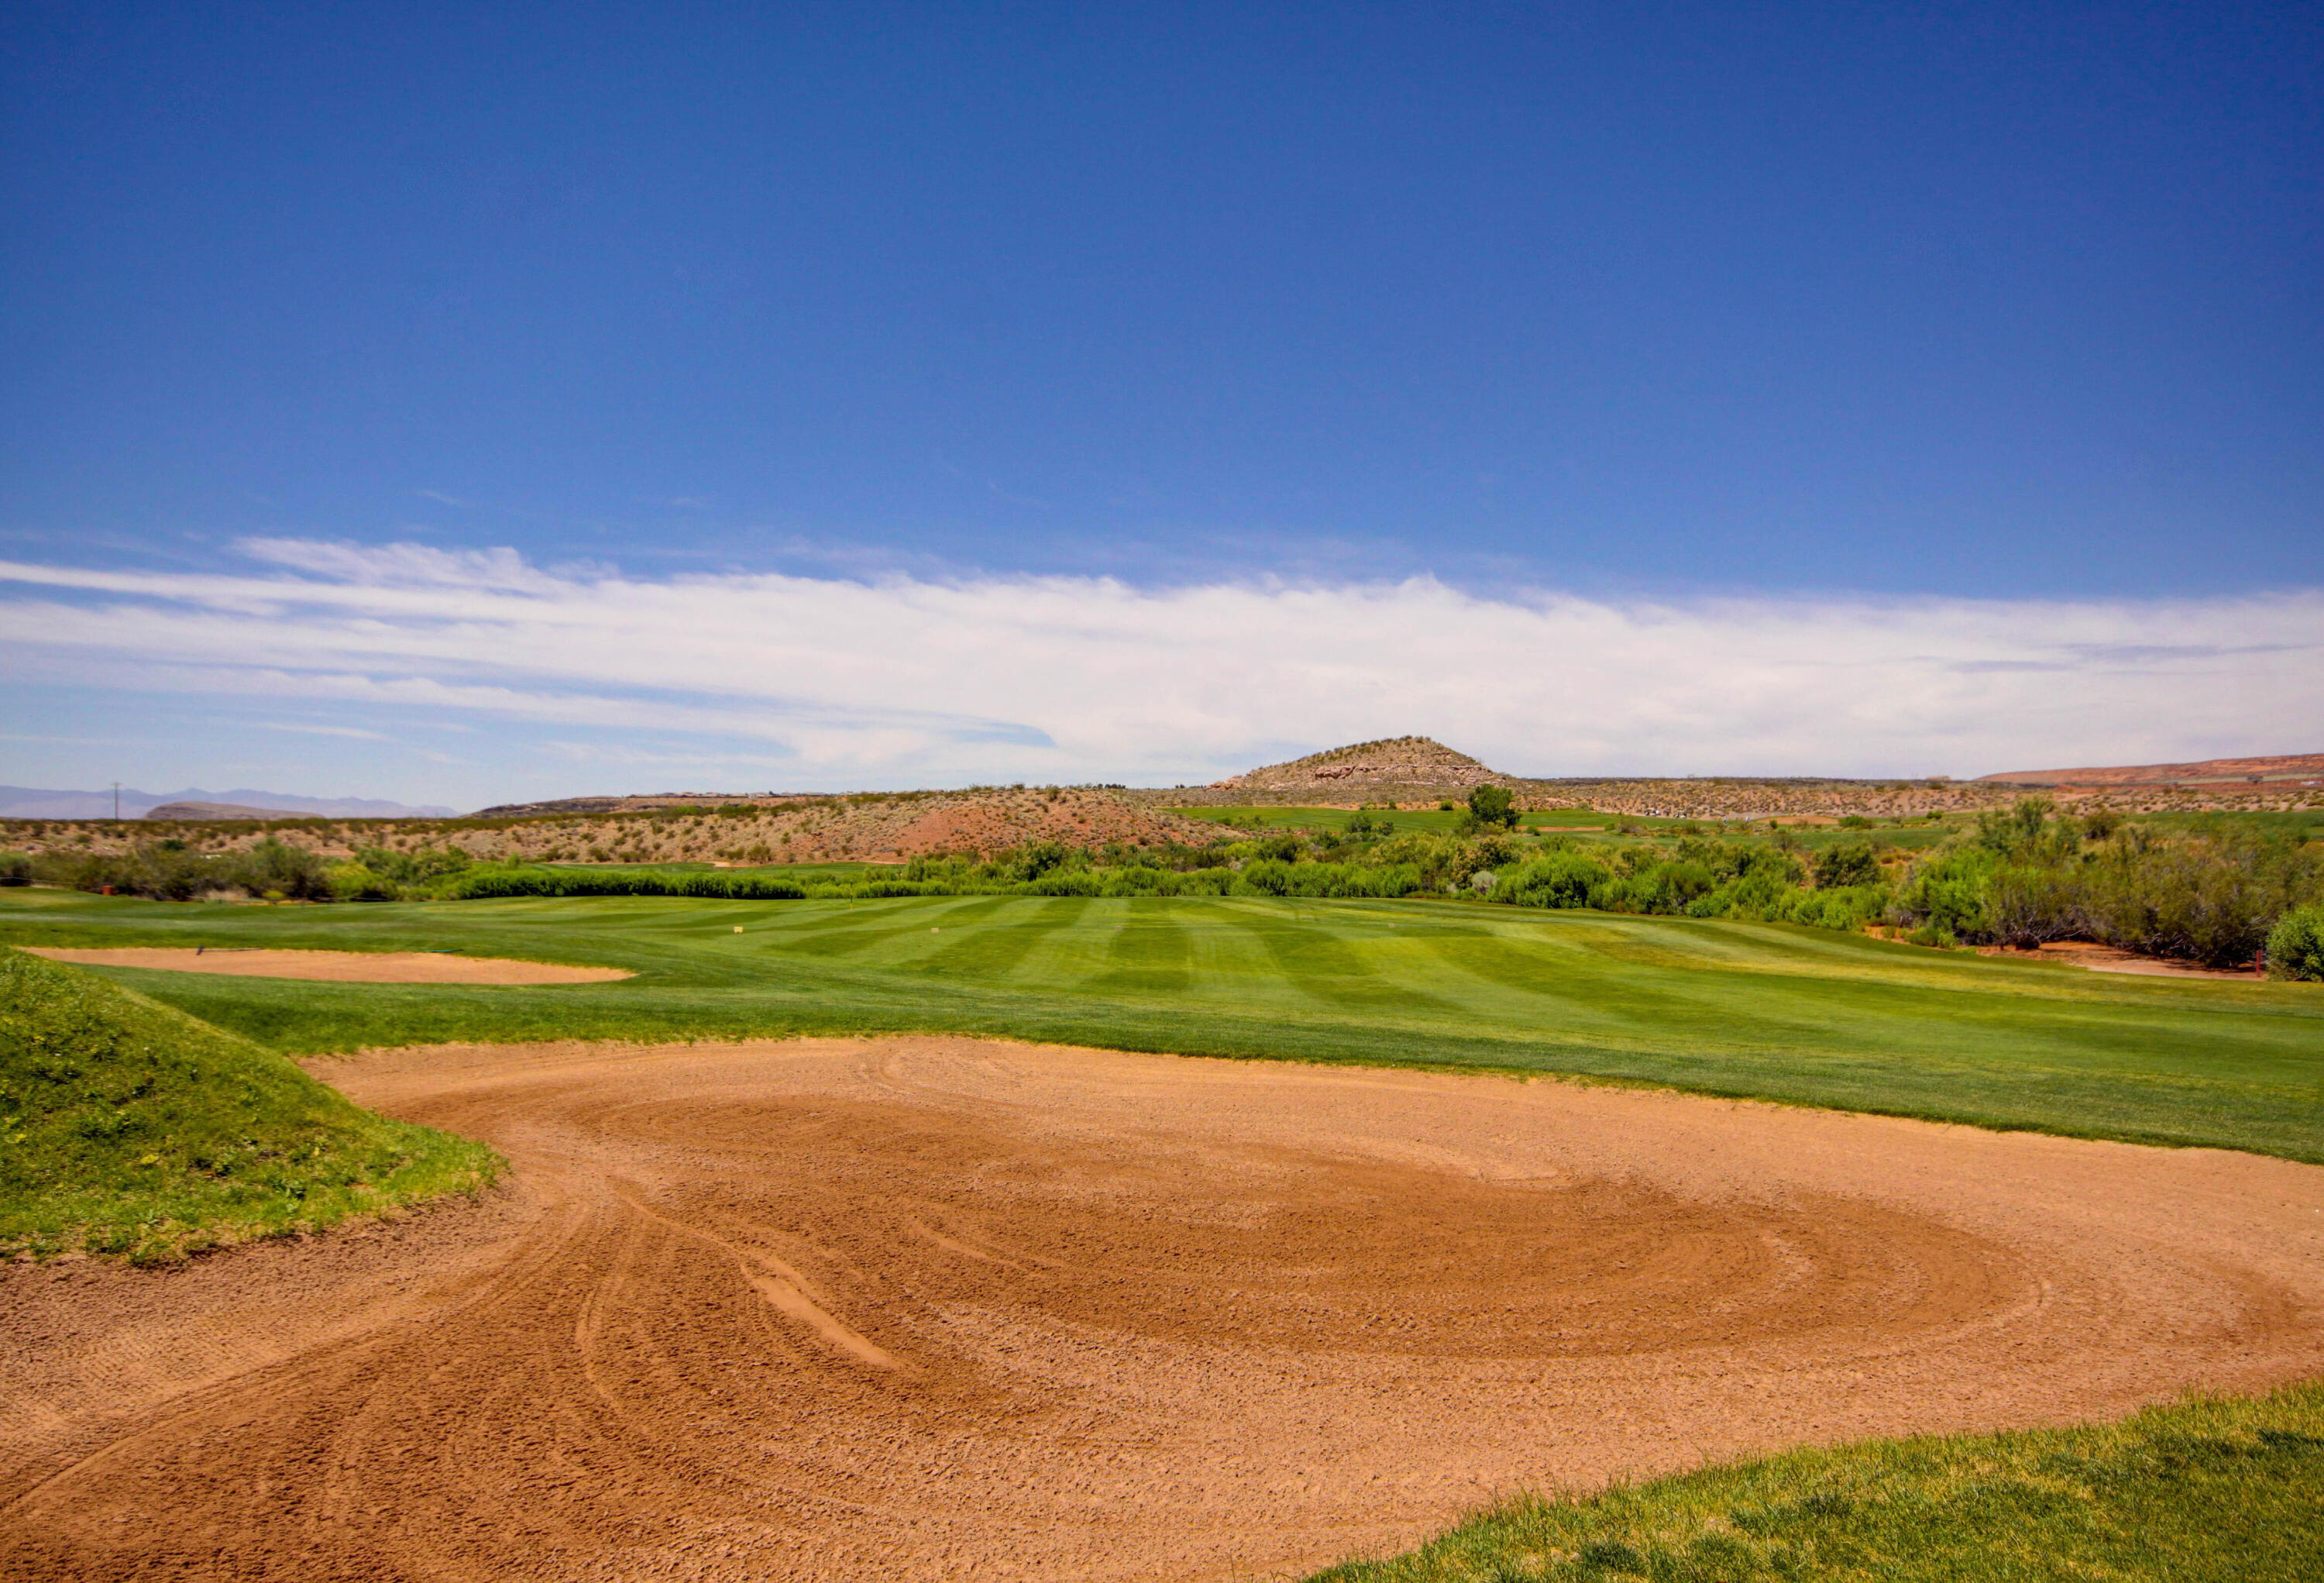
[1657, 308]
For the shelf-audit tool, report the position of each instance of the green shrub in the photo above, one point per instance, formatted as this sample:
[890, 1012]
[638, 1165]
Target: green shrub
[1947, 892]
[2213, 901]
[353, 882]
[2022, 878]
[1035, 858]
[1269, 877]
[484, 882]
[1759, 895]
[1851, 863]
[1493, 805]
[274, 867]
[1560, 879]
[414, 865]
[1846, 908]
[15, 869]
[1283, 849]
[2026, 905]
[1664, 889]
[2295, 946]
[2027, 833]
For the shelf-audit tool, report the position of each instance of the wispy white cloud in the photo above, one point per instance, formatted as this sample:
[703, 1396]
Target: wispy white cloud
[357, 733]
[904, 678]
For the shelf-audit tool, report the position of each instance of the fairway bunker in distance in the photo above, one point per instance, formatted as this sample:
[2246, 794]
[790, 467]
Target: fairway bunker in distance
[942, 1307]
[334, 966]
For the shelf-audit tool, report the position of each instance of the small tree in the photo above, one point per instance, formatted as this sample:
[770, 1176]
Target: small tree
[1852, 863]
[1493, 805]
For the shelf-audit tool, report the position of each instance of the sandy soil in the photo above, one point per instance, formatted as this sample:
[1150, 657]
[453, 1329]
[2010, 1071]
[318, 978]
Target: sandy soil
[338, 966]
[948, 1309]
[2100, 959]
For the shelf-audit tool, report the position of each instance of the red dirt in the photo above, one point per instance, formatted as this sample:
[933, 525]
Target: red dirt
[947, 1309]
[334, 966]
[2104, 959]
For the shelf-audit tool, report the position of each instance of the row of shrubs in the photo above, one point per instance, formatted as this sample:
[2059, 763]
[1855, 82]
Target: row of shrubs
[169, 871]
[2026, 878]
[2017, 879]
[1758, 889]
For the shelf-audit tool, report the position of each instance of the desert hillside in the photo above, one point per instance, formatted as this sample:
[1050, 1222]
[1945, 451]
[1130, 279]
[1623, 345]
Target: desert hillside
[874, 826]
[1393, 770]
[1419, 771]
[1409, 772]
[2292, 766]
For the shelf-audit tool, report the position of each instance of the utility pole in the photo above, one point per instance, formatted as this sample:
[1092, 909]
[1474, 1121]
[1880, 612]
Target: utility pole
[117, 803]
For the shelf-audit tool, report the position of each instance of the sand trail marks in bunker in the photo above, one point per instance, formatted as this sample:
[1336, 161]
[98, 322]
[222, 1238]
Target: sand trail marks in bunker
[333, 966]
[832, 1309]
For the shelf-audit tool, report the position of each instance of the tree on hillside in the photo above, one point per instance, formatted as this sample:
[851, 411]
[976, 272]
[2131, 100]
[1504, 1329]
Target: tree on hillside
[1493, 805]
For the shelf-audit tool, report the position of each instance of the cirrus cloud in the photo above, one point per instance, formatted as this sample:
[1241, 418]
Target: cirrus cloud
[907, 680]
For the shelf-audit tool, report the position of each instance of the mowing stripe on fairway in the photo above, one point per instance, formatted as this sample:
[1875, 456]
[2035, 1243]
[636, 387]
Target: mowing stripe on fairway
[1774, 1011]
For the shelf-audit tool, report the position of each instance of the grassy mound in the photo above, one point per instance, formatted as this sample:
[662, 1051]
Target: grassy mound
[128, 1127]
[2202, 1490]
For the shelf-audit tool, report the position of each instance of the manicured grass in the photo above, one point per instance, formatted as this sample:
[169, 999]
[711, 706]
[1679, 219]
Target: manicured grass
[2210, 1490]
[1768, 1011]
[128, 1127]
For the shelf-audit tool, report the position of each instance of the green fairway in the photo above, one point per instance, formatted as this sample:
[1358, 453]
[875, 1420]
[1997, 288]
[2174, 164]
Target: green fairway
[1777, 1012]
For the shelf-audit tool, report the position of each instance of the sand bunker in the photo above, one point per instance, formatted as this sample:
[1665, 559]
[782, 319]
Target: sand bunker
[338, 966]
[2100, 958]
[947, 1309]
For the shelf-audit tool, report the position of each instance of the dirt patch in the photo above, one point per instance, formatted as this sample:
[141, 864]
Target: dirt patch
[950, 1309]
[335, 966]
[2100, 959]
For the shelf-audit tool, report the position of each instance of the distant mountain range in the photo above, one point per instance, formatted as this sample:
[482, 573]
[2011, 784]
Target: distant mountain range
[34, 802]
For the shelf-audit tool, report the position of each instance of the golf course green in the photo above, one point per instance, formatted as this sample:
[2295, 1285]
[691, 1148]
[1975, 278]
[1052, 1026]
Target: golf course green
[1776, 1012]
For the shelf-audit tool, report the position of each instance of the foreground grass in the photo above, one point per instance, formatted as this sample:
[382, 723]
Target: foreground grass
[2224, 1490]
[1766, 1011]
[127, 1127]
